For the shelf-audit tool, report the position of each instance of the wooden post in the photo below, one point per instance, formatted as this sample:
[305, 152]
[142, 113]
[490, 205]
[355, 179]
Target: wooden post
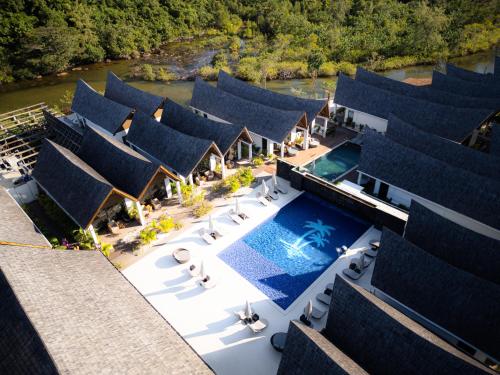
[376, 189]
[282, 151]
[360, 175]
[249, 151]
[239, 150]
[223, 167]
[306, 139]
[190, 179]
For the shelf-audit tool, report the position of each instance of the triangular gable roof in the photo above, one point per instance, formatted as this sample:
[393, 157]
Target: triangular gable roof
[358, 320]
[446, 121]
[77, 188]
[457, 301]
[101, 111]
[453, 243]
[458, 86]
[424, 92]
[457, 189]
[244, 90]
[268, 122]
[450, 152]
[123, 167]
[132, 97]
[73, 312]
[468, 75]
[175, 150]
[187, 122]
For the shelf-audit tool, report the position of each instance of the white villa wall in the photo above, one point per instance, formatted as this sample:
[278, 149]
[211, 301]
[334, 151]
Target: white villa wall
[24, 193]
[374, 122]
[398, 196]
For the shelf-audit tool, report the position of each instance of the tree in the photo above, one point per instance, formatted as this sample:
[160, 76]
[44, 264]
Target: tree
[314, 61]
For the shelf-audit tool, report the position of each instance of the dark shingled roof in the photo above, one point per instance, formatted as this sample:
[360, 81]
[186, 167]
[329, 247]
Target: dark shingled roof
[120, 92]
[458, 86]
[72, 312]
[446, 121]
[175, 150]
[307, 351]
[495, 140]
[269, 122]
[458, 301]
[457, 189]
[244, 90]
[443, 149]
[77, 188]
[496, 71]
[424, 92]
[15, 225]
[468, 75]
[383, 341]
[187, 122]
[453, 243]
[123, 167]
[98, 109]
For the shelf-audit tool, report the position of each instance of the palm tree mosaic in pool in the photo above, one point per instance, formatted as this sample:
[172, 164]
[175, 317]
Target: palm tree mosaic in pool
[285, 254]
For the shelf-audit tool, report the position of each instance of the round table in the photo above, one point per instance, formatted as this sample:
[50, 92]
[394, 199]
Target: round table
[278, 341]
[181, 255]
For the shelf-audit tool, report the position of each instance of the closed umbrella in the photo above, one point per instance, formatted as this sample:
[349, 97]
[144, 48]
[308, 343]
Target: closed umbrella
[248, 310]
[309, 310]
[237, 206]
[275, 181]
[264, 189]
[203, 273]
[210, 224]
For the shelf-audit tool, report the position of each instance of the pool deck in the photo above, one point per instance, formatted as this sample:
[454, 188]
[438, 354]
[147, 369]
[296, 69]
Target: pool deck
[205, 318]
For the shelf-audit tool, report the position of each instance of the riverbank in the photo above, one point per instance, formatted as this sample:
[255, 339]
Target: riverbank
[51, 89]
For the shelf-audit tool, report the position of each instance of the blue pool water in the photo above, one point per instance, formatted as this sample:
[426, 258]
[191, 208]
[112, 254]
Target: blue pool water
[336, 162]
[286, 253]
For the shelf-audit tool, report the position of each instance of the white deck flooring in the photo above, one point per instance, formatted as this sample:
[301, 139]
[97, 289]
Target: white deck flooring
[205, 318]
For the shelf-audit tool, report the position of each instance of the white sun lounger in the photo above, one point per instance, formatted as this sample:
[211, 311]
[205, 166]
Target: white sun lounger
[263, 200]
[240, 314]
[282, 189]
[236, 218]
[195, 271]
[273, 195]
[258, 326]
[207, 237]
[371, 252]
[324, 298]
[209, 284]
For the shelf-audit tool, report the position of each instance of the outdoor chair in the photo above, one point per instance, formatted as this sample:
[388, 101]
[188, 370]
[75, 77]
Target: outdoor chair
[206, 236]
[207, 282]
[262, 199]
[316, 313]
[324, 298]
[355, 269]
[236, 218]
[258, 326]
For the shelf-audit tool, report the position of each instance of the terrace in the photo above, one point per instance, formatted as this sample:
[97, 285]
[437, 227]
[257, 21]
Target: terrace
[206, 317]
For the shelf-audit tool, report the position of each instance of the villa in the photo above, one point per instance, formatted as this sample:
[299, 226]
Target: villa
[367, 105]
[467, 75]
[268, 126]
[229, 138]
[480, 89]
[92, 109]
[176, 151]
[129, 96]
[376, 251]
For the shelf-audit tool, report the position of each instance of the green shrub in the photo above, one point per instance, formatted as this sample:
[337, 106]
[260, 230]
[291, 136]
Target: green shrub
[84, 239]
[346, 67]
[233, 183]
[106, 249]
[165, 75]
[208, 73]
[292, 69]
[204, 208]
[257, 160]
[328, 69]
[147, 72]
[245, 176]
[166, 225]
[147, 235]
[133, 213]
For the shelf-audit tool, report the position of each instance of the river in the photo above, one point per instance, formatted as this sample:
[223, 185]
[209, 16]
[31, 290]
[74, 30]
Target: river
[51, 88]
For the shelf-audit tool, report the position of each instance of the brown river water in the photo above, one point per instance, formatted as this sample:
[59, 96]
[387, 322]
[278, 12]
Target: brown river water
[50, 89]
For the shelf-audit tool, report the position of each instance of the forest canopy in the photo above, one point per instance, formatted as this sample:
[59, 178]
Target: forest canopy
[265, 38]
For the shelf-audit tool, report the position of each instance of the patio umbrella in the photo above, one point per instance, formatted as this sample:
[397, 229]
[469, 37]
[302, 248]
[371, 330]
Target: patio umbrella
[210, 224]
[275, 181]
[236, 206]
[308, 310]
[248, 310]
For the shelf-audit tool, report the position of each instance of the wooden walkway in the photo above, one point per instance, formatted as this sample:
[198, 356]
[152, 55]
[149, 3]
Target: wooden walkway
[21, 134]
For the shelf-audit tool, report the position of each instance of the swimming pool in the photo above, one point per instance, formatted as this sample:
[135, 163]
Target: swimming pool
[289, 251]
[335, 162]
